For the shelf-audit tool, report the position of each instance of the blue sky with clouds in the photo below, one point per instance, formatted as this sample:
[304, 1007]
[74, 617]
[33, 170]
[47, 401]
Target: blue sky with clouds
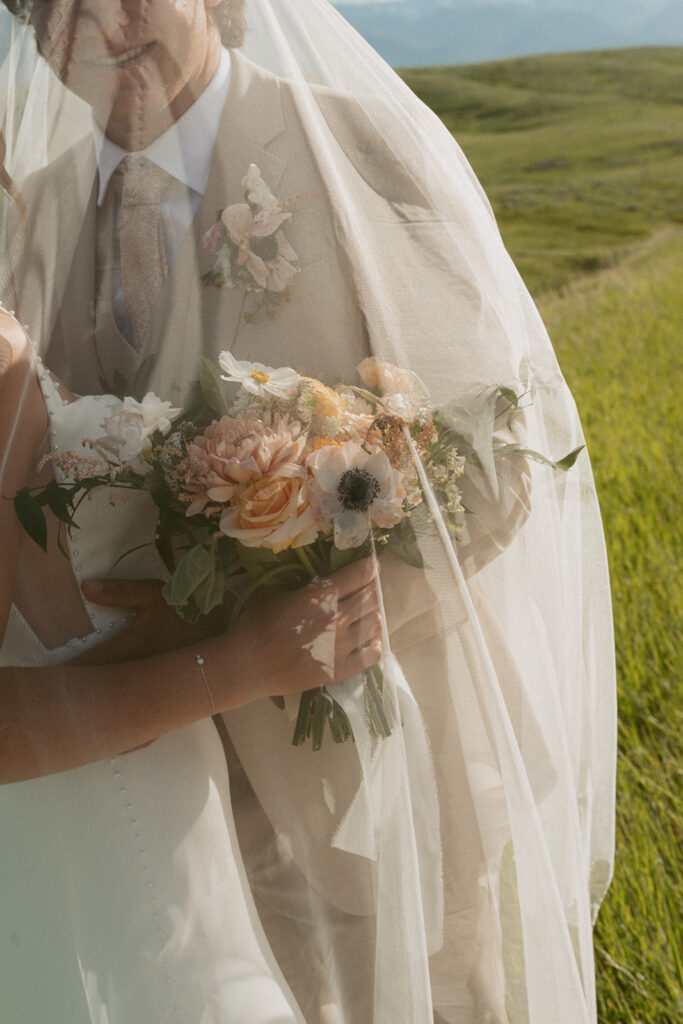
[413, 32]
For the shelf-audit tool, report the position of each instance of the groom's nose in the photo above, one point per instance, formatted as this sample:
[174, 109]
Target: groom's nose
[87, 22]
[109, 18]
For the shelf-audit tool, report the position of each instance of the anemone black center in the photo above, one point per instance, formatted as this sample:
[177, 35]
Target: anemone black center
[266, 248]
[357, 490]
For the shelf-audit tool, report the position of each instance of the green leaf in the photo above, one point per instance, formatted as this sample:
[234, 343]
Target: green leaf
[403, 541]
[119, 385]
[140, 383]
[193, 569]
[213, 388]
[256, 560]
[189, 611]
[60, 501]
[303, 718]
[374, 705]
[31, 517]
[568, 461]
[210, 592]
[562, 464]
[340, 727]
[509, 395]
[156, 486]
[225, 553]
[318, 719]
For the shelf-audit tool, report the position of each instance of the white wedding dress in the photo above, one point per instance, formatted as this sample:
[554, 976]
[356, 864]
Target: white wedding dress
[124, 896]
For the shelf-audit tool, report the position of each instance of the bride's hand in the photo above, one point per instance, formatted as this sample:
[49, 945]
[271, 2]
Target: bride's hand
[320, 634]
[283, 642]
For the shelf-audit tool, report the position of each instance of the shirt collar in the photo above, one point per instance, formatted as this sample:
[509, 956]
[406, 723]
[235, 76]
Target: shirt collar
[184, 150]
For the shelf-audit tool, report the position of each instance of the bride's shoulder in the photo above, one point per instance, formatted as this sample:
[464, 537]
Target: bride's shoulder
[15, 347]
[21, 401]
[17, 351]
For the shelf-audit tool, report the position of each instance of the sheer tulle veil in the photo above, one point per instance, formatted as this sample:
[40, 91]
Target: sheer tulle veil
[467, 854]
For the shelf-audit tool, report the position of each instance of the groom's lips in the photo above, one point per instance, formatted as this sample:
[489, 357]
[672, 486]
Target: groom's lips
[129, 58]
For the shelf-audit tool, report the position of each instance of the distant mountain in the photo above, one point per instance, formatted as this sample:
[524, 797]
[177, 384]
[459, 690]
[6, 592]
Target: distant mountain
[415, 32]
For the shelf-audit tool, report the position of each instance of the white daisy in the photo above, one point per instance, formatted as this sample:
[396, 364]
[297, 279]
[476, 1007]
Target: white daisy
[258, 379]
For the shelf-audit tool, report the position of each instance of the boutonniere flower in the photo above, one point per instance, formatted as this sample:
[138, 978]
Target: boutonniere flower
[251, 249]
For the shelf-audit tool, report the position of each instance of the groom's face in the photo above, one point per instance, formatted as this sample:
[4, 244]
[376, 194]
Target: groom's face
[138, 63]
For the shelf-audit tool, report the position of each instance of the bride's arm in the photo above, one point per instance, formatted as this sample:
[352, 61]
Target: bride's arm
[61, 717]
[23, 423]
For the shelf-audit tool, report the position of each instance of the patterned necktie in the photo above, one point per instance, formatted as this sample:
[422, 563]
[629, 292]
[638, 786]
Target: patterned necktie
[144, 264]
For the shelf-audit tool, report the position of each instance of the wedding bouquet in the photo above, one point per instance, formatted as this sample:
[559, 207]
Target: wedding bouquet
[281, 481]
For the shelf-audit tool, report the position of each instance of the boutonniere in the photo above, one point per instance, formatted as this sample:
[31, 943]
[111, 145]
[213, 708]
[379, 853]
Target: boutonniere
[251, 249]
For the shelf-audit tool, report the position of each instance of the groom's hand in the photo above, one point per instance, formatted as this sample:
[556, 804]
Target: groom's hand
[157, 627]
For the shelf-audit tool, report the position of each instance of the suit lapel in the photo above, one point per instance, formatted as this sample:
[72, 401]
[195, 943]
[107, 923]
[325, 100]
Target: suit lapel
[193, 318]
[62, 219]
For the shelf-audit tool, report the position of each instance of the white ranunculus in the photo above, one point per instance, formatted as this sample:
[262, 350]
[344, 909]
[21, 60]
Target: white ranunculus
[125, 428]
[155, 414]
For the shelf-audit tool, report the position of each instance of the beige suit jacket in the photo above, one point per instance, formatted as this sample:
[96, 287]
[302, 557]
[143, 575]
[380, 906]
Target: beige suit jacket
[331, 323]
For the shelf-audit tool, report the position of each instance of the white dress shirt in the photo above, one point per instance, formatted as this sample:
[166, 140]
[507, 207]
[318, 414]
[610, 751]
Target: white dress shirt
[184, 152]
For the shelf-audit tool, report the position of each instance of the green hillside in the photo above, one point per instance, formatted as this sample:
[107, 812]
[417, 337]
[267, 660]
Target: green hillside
[618, 335]
[582, 156]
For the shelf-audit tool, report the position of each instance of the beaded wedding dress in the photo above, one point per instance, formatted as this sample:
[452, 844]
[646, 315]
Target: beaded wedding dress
[124, 896]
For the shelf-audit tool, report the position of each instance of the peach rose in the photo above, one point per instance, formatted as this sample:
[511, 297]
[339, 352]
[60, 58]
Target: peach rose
[273, 513]
[231, 453]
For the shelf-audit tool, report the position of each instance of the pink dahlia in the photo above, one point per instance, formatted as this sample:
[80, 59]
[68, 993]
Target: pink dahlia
[231, 453]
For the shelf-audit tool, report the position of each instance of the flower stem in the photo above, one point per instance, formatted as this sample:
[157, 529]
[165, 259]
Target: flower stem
[305, 560]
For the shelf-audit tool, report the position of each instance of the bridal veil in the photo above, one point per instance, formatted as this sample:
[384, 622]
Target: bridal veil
[452, 871]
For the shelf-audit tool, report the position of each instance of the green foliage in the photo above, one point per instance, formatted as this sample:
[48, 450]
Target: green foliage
[213, 388]
[137, 387]
[403, 541]
[618, 337]
[201, 578]
[582, 156]
[31, 516]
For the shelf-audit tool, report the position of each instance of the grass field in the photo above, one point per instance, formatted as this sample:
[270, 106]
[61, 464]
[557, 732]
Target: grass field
[582, 156]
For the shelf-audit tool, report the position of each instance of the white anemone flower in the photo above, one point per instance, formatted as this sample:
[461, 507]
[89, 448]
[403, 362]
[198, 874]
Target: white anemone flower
[258, 379]
[352, 489]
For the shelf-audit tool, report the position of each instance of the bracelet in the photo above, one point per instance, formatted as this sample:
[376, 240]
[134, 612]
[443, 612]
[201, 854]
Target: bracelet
[200, 665]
